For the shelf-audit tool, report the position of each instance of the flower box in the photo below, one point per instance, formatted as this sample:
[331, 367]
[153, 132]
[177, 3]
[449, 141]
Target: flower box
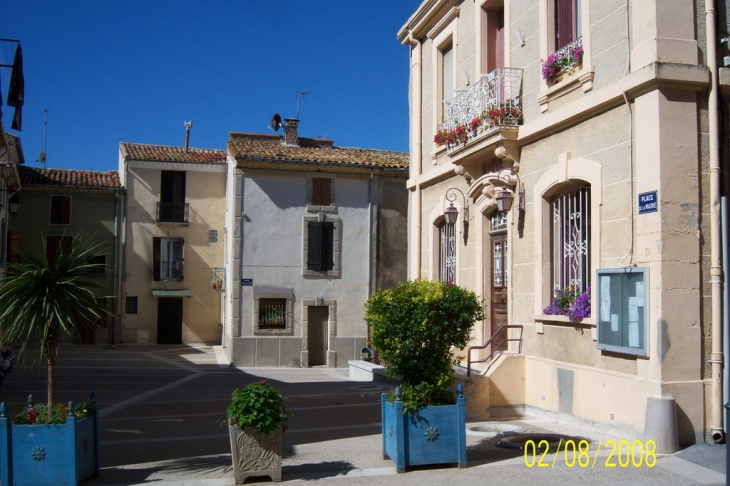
[49, 454]
[436, 435]
[255, 453]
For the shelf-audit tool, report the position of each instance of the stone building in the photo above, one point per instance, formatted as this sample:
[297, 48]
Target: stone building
[600, 120]
[315, 229]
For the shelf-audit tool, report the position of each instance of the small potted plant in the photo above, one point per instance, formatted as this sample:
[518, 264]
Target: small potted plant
[416, 329]
[256, 420]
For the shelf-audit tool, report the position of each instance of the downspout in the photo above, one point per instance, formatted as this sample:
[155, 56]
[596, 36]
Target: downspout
[371, 273]
[416, 129]
[716, 283]
[117, 298]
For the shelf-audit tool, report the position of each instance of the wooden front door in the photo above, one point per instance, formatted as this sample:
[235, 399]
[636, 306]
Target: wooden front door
[169, 320]
[499, 289]
[317, 335]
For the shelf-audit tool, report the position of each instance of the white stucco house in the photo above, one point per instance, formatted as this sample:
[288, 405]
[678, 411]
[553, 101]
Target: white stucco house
[314, 229]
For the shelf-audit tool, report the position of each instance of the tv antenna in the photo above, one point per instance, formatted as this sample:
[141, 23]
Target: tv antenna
[42, 155]
[299, 98]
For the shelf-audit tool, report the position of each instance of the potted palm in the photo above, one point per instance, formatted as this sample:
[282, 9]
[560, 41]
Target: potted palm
[40, 300]
[256, 420]
[416, 329]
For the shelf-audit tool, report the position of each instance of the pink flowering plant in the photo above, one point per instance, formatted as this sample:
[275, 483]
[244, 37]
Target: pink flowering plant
[563, 60]
[572, 303]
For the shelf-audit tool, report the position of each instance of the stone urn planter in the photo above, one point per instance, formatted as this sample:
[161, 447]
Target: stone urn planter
[256, 420]
[49, 454]
[255, 453]
[436, 435]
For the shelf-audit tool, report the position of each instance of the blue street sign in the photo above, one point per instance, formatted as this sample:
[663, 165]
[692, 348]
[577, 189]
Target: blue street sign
[247, 282]
[648, 202]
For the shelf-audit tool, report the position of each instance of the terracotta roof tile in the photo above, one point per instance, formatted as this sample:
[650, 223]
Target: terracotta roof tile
[37, 178]
[268, 148]
[164, 153]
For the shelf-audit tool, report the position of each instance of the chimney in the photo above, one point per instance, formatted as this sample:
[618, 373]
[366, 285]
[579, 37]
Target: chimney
[188, 124]
[291, 132]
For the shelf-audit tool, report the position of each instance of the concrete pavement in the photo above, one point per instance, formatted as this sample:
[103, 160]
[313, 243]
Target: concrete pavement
[160, 408]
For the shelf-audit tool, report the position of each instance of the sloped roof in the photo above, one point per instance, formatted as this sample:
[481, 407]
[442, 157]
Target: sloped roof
[80, 180]
[269, 151]
[165, 153]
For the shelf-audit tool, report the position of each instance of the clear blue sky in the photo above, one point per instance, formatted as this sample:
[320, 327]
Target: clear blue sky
[134, 71]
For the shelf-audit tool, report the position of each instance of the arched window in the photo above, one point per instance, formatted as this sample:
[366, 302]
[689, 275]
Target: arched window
[447, 253]
[570, 239]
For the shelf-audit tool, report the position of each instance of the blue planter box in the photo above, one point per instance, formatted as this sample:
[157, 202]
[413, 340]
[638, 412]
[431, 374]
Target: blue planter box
[39, 455]
[437, 435]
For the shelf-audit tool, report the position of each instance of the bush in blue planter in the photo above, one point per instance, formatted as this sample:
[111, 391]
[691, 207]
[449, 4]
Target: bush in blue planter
[416, 328]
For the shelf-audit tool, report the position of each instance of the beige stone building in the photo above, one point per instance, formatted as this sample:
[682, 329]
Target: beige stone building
[601, 120]
[174, 244]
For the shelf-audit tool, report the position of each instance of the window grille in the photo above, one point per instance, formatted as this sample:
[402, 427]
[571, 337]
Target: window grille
[500, 263]
[448, 253]
[498, 221]
[130, 305]
[272, 313]
[571, 243]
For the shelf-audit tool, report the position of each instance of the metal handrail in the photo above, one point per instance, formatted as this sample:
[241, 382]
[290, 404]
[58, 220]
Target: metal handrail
[489, 341]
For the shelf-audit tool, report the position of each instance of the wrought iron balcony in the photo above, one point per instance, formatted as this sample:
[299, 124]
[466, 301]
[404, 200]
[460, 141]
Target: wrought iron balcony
[168, 212]
[493, 102]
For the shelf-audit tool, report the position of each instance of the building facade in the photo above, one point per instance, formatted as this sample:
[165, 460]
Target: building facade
[57, 206]
[315, 230]
[600, 121]
[174, 241]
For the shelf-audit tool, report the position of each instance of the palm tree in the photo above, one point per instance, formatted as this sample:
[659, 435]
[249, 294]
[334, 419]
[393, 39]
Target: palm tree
[45, 297]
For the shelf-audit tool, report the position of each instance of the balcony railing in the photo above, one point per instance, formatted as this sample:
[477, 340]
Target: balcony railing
[493, 102]
[168, 212]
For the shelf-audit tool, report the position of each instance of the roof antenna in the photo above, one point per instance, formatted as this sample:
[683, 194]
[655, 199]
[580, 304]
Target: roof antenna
[299, 98]
[188, 125]
[42, 155]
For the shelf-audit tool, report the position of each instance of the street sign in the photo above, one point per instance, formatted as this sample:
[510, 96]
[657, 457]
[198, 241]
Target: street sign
[648, 202]
[247, 282]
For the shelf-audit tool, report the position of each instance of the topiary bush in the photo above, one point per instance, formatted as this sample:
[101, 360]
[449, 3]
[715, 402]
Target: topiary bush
[415, 328]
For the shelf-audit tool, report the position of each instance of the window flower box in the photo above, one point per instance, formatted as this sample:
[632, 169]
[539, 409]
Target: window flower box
[563, 62]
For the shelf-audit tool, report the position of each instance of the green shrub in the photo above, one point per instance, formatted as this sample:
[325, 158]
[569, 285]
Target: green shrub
[259, 406]
[415, 329]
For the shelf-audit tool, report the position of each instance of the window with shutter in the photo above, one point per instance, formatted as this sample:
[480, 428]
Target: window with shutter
[447, 76]
[320, 246]
[567, 22]
[167, 258]
[321, 191]
[56, 245]
[60, 209]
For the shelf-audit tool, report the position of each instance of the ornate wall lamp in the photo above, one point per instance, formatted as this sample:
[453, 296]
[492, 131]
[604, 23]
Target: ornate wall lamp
[451, 214]
[504, 197]
[13, 203]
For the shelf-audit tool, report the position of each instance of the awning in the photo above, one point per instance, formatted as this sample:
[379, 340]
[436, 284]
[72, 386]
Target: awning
[171, 293]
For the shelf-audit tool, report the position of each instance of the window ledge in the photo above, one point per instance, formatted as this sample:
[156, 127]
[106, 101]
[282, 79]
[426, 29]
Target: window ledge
[311, 208]
[273, 332]
[563, 320]
[582, 78]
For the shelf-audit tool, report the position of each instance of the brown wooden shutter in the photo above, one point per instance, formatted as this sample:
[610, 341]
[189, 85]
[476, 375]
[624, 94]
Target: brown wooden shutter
[66, 210]
[563, 23]
[155, 258]
[321, 191]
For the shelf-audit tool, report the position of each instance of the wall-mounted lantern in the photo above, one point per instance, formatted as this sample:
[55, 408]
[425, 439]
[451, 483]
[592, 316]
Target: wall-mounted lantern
[505, 197]
[452, 213]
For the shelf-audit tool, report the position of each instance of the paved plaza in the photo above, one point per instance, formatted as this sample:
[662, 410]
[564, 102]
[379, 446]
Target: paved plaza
[161, 408]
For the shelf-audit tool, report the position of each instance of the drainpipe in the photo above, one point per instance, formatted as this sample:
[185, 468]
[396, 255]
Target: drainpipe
[416, 130]
[716, 284]
[371, 274]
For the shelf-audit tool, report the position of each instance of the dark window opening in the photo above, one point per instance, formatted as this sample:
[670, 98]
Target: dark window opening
[60, 209]
[321, 191]
[272, 313]
[320, 249]
[130, 305]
